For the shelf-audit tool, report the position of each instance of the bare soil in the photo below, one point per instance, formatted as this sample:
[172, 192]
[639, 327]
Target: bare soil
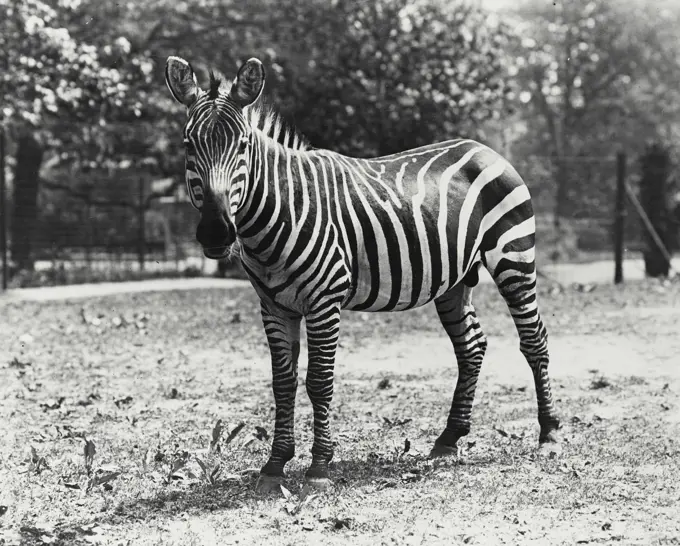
[144, 377]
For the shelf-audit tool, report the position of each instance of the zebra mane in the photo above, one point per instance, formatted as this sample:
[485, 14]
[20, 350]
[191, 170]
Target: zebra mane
[215, 82]
[262, 116]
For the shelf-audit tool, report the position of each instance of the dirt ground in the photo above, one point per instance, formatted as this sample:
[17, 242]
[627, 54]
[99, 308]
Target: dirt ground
[109, 406]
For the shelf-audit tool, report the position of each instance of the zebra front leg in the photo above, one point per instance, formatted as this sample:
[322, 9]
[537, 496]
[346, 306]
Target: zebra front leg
[283, 337]
[323, 327]
[459, 319]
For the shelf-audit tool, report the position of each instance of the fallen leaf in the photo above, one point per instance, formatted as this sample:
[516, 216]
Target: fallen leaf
[104, 477]
[53, 404]
[16, 363]
[123, 401]
[262, 433]
[384, 384]
[409, 477]
[342, 523]
[396, 422]
[235, 432]
[600, 383]
[287, 494]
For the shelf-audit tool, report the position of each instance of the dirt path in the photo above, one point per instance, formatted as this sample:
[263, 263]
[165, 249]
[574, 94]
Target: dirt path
[571, 357]
[599, 272]
[96, 290]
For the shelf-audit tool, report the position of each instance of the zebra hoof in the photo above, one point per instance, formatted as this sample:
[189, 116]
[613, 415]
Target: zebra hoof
[442, 450]
[269, 484]
[317, 484]
[549, 437]
[549, 445]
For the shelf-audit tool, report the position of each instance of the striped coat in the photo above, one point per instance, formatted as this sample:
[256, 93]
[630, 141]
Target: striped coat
[318, 232]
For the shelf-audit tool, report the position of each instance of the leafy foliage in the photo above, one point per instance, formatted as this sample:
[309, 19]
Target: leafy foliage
[591, 75]
[46, 70]
[396, 75]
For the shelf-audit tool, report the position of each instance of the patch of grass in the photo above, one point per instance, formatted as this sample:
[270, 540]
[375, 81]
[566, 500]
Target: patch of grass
[96, 448]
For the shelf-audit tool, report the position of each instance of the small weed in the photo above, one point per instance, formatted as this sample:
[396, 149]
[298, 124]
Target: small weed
[599, 383]
[210, 470]
[35, 463]
[102, 475]
[211, 466]
[179, 461]
[89, 451]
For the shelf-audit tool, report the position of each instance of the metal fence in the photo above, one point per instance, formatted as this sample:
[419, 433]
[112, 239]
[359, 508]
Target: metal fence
[75, 240]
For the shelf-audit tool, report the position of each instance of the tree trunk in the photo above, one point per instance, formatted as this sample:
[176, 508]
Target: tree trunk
[562, 193]
[25, 206]
[654, 196]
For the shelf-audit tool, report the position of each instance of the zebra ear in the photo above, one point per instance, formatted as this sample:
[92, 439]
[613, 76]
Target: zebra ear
[248, 84]
[181, 80]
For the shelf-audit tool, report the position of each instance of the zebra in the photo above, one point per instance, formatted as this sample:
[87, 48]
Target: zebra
[318, 232]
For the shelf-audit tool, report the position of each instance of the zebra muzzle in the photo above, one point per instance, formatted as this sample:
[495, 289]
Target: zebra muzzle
[216, 235]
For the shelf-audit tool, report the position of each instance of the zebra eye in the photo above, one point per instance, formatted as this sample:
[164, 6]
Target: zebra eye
[242, 144]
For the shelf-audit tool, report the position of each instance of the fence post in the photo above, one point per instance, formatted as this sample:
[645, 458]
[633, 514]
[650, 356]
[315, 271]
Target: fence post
[3, 210]
[141, 243]
[619, 218]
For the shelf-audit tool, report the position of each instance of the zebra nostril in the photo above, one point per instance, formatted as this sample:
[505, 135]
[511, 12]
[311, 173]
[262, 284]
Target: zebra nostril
[215, 231]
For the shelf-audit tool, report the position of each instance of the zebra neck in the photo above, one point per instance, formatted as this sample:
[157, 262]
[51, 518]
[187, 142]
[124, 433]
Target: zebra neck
[266, 211]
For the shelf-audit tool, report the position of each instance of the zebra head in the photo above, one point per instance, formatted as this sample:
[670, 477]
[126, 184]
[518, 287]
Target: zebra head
[217, 141]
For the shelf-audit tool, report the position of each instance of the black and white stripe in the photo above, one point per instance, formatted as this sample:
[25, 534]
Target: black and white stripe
[320, 232]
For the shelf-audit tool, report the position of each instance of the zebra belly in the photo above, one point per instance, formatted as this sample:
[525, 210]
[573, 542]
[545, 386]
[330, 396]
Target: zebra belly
[387, 295]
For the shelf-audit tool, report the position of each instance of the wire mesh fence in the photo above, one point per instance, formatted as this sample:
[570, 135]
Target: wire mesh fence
[74, 239]
[77, 241]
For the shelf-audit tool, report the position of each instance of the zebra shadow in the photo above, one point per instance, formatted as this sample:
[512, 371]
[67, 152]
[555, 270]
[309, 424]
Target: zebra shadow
[369, 473]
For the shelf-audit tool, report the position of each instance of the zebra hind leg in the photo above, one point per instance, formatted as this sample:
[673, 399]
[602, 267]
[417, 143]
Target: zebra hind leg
[459, 319]
[514, 273]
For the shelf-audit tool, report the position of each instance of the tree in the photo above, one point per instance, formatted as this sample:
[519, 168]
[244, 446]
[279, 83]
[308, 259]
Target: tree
[583, 67]
[76, 95]
[396, 74]
[46, 73]
[655, 197]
